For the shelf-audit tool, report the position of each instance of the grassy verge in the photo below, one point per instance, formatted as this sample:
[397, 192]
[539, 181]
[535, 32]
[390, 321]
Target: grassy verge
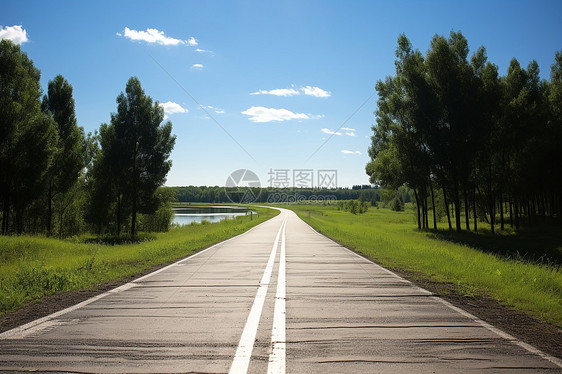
[32, 267]
[392, 240]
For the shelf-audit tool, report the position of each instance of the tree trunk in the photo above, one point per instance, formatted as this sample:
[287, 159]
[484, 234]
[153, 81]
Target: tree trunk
[425, 210]
[474, 209]
[501, 209]
[119, 214]
[49, 207]
[466, 210]
[65, 206]
[456, 198]
[135, 191]
[483, 211]
[134, 218]
[510, 211]
[418, 207]
[433, 205]
[536, 208]
[447, 208]
[492, 205]
[516, 213]
[61, 216]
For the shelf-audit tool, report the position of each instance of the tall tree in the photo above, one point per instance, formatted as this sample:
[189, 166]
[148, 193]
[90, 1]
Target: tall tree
[27, 136]
[68, 160]
[398, 152]
[488, 166]
[554, 96]
[456, 134]
[135, 151]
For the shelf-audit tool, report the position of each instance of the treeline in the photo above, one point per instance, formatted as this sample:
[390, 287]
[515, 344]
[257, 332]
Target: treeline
[216, 194]
[56, 179]
[489, 145]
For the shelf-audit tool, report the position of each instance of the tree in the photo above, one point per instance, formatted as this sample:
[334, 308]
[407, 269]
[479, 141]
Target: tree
[488, 164]
[398, 150]
[135, 151]
[68, 160]
[100, 184]
[554, 96]
[27, 135]
[457, 133]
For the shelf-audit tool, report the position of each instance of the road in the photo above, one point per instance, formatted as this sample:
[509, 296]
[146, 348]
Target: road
[279, 298]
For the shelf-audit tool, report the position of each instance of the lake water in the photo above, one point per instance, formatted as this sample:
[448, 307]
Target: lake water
[188, 214]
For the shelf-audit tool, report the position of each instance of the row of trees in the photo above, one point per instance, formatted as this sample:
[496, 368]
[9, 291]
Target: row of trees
[450, 126]
[51, 172]
[216, 194]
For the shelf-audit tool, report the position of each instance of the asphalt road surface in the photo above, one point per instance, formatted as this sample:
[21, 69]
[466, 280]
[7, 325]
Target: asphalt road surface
[279, 298]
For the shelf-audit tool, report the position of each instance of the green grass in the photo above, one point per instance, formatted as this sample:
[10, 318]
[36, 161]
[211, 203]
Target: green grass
[476, 264]
[32, 266]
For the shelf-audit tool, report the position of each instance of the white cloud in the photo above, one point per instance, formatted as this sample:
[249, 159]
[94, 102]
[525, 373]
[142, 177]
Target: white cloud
[278, 92]
[315, 91]
[14, 33]
[170, 108]
[197, 66]
[203, 51]
[215, 109]
[330, 132]
[348, 129]
[349, 133]
[262, 114]
[155, 36]
[316, 116]
[350, 152]
[308, 90]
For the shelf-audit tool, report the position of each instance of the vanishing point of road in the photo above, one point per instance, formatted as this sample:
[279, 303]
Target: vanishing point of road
[279, 298]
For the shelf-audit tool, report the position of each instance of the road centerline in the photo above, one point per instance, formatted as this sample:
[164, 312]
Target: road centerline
[243, 353]
[277, 358]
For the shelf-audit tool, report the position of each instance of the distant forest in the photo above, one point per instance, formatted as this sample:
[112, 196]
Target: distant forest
[216, 194]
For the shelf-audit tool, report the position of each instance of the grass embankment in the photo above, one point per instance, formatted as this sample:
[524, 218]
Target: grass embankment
[392, 240]
[32, 267]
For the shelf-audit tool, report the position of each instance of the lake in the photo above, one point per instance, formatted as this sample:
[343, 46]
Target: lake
[186, 215]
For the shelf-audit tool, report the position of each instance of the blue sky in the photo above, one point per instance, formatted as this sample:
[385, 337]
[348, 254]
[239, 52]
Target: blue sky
[278, 76]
